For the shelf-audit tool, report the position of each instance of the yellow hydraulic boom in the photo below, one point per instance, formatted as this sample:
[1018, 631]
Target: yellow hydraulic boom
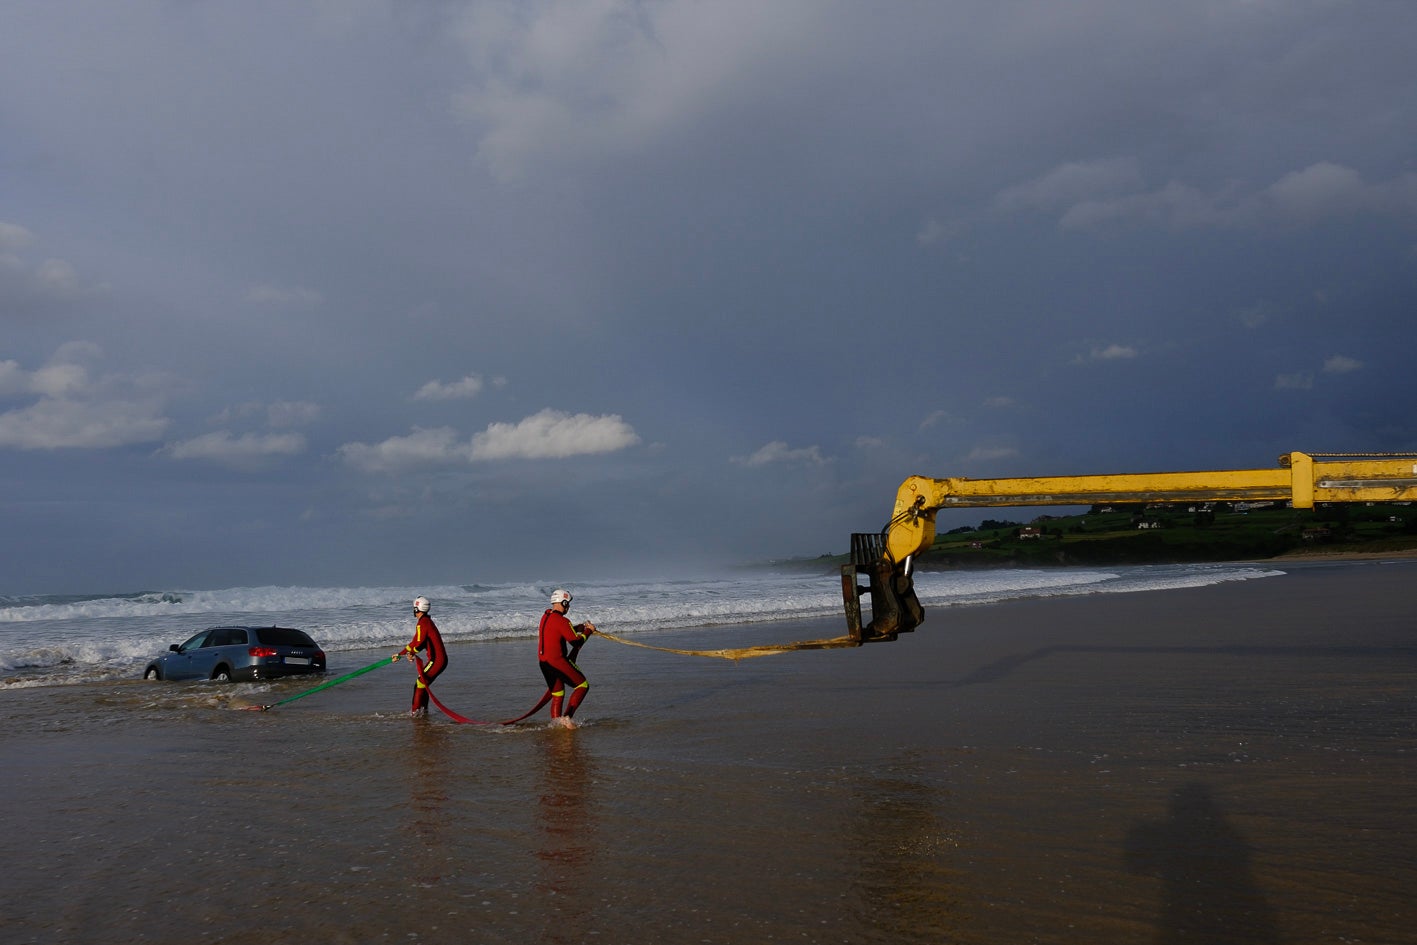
[1302, 479]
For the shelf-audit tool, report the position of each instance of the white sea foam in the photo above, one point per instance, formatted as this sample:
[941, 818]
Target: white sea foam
[53, 640]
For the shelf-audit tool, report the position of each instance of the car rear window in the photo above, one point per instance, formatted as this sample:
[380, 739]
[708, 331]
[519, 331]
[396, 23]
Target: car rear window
[284, 636]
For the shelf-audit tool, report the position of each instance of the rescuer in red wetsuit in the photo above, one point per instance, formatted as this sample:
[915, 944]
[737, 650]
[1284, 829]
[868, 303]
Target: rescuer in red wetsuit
[425, 637]
[556, 635]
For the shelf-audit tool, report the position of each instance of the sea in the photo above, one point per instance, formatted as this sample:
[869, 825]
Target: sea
[67, 639]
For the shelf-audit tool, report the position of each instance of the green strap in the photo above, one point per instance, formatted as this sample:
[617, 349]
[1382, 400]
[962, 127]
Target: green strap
[333, 682]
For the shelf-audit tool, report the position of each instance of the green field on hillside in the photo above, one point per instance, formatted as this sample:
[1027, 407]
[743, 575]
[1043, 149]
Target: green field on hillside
[1175, 533]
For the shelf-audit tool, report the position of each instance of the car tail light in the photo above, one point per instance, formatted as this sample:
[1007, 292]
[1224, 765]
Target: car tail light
[262, 651]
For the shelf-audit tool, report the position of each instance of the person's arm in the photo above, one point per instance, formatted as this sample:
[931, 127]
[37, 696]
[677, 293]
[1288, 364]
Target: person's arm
[411, 645]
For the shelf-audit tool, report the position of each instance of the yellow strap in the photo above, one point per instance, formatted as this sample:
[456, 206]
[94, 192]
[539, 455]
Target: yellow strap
[743, 653]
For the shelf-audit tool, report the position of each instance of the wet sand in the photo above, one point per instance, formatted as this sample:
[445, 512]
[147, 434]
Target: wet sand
[1222, 764]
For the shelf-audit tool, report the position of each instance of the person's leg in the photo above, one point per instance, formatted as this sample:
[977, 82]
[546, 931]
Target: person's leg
[426, 674]
[577, 679]
[577, 696]
[556, 684]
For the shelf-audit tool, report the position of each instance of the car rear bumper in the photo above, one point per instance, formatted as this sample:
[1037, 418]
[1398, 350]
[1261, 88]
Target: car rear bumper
[276, 671]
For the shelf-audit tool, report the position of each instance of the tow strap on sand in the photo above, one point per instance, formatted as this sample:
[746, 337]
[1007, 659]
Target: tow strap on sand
[460, 719]
[333, 682]
[743, 652]
[464, 720]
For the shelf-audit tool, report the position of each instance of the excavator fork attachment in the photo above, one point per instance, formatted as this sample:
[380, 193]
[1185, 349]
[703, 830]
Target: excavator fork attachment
[894, 607]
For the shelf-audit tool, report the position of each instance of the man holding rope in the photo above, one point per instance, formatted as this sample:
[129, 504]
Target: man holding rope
[554, 637]
[425, 637]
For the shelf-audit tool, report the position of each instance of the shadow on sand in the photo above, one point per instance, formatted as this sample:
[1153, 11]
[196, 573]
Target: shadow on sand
[1207, 891]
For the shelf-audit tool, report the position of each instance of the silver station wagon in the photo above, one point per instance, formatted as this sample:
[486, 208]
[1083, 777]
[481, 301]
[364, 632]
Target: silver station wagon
[245, 653]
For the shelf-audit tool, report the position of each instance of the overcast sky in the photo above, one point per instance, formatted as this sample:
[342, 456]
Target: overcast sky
[378, 292]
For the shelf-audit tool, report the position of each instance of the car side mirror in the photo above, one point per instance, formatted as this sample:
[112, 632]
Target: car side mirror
[173, 647]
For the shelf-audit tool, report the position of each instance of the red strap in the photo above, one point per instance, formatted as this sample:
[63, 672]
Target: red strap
[464, 720]
[461, 720]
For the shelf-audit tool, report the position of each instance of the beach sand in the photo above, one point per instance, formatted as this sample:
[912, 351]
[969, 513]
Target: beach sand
[1223, 764]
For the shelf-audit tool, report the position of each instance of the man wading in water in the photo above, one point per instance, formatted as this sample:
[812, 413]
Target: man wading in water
[554, 637]
[425, 637]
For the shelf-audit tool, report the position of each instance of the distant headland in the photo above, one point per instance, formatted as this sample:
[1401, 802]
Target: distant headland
[1176, 533]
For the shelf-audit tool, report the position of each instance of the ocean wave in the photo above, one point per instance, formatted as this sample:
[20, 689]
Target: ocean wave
[271, 599]
[51, 640]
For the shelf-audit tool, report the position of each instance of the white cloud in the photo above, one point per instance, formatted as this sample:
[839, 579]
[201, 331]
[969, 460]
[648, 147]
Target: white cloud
[1304, 380]
[59, 380]
[437, 446]
[281, 414]
[14, 237]
[284, 414]
[1326, 190]
[935, 231]
[55, 423]
[13, 379]
[1253, 316]
[575, 80]
[779, 452]
[222, 447]
[74, 410]
[1093, 195]
[1112, 352]
[25, 281]
[549, 434]
[1341, 364]
[552, 434]
[1070, 184]
[57, 278]
[934, 418]
[1174, 206]
[250, 449]
[465, 389]
[66, 372]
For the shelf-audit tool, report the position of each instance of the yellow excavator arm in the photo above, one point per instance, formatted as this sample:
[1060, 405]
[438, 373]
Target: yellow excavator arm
[1302, 479]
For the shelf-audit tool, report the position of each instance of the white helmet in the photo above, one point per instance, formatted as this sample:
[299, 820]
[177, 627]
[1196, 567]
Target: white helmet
[420, 604]
[560, 596]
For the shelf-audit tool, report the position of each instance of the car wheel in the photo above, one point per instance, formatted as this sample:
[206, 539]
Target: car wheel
[221, 674]
[152, 673]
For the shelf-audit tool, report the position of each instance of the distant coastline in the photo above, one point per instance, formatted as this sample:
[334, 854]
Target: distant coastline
[1137, 535]
[1319, 555]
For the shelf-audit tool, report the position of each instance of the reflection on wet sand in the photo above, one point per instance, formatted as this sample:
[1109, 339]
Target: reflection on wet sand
[428, 801]
[904, 891]
[1208, 893]
[566, 831]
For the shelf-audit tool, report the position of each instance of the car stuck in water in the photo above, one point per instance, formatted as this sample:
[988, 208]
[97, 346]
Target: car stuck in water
[240, 653]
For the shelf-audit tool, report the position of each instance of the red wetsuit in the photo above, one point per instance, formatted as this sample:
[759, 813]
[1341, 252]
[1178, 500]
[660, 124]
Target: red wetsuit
[553, 641]
[426, 637]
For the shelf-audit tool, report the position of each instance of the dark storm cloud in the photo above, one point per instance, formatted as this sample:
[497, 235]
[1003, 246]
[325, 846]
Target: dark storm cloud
[693, 280]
